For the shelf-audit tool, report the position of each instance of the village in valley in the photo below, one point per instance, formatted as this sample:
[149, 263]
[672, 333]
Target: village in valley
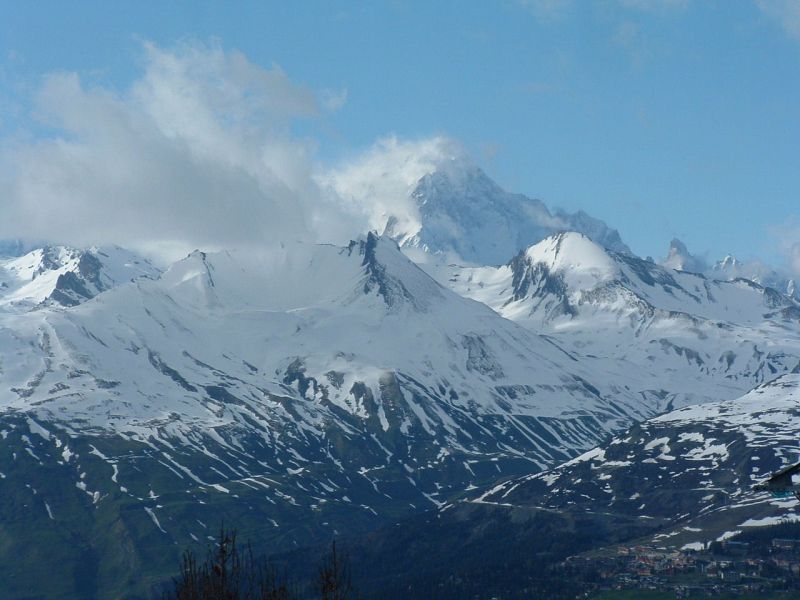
[732, 567]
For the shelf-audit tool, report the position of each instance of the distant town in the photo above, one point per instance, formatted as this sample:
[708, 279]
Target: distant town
[730, 567]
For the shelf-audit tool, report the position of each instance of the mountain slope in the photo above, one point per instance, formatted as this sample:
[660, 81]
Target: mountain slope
[680, 480]
[312, 390]
[691, 470]
[664, 333]
[65, 276]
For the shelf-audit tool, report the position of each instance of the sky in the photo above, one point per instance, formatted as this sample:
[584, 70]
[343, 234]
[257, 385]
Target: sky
[665, 118]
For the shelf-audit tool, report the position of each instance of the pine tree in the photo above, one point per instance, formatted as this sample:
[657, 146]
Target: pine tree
[228, 574]
[333, 581]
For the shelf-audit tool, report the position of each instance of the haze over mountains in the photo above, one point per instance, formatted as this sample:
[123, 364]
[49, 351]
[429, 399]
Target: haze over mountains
[467, 351]
[728, 268]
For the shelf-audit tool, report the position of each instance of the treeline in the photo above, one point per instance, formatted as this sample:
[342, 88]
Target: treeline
[476, 552]
[232, 572]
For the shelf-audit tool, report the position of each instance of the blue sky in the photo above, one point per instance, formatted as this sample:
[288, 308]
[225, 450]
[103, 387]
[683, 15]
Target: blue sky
[663, 117]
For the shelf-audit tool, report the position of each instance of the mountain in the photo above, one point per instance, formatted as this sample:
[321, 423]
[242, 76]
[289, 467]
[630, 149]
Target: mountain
[306, 391]
[466, 216]
[298, 393]
[681, 480]
[730, 269]
[680, 259]
[676, 337]
[59, 275]
[689, 472]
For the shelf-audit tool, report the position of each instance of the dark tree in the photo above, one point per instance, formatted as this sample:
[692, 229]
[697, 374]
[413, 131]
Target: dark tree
[333, 582]
[228, 574]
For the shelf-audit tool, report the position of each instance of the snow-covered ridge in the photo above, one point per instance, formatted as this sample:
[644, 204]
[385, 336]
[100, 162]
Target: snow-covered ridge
[773, 404]
[299, 276]
[676, 335]
[582, 263]
[317, 383]
[590, 276]
[329, 301]
[67, 276]
[730, 268]
[311, 341]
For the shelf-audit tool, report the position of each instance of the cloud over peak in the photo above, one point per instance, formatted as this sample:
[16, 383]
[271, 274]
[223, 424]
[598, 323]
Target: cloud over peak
[198, 151]
[378, 183]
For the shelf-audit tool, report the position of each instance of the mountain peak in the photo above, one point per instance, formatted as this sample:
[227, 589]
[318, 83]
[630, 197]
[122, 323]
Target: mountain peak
[68, 276]
[732, 268]
[457, 178]
[577, 255]
[466, 215]
[392, 275]
[680, 259]
[300, 276]
[434, 201]
[727, 263]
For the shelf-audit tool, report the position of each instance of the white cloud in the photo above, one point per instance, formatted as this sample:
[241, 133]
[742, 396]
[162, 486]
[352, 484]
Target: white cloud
[786, 12]
[378, 183]
[198, 152]
[794, 259]
[787, 241]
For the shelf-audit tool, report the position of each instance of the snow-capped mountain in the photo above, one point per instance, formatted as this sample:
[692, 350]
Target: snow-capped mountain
[729, 269]
[689, 473]
[359, 311]
[337, 329]
[680, 259]
[335, 385]
[463, 214]
[669, 334]
[307, 390]
[67, 276]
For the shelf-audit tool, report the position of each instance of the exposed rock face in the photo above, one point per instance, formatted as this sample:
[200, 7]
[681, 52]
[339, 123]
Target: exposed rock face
[58, 275]
[465, 215]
